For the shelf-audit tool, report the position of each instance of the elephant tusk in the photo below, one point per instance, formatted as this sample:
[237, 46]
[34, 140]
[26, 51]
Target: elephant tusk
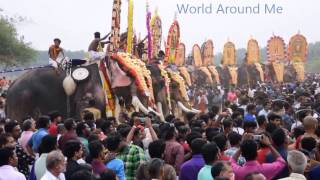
[196, 111]
[153, 111]
[137, 103]
[159, 106]
[183, 107]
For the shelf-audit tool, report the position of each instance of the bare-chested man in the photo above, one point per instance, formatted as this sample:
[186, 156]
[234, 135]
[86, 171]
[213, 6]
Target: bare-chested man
[55, 53]
[96, 47]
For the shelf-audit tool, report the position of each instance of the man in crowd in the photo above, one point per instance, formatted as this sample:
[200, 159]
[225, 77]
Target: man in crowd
[55, 164]
[8, 162]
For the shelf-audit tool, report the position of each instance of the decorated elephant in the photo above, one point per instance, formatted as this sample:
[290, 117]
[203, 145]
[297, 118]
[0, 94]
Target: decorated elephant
[248, 74]
[40, 91]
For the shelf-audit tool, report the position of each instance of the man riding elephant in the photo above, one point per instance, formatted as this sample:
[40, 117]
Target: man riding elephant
[55, 53]
[96, 47]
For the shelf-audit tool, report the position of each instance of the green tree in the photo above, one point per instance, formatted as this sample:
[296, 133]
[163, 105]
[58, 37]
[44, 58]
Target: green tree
[13, 49]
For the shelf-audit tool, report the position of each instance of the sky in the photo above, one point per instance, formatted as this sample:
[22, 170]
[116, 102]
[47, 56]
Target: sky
[75, 21]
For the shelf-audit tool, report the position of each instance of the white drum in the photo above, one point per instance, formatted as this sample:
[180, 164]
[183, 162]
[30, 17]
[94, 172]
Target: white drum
[80, 74]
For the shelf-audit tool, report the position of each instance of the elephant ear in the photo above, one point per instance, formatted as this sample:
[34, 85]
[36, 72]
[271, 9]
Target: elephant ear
[253, 52]
[181, 54]
[207, 53]
[196, 54]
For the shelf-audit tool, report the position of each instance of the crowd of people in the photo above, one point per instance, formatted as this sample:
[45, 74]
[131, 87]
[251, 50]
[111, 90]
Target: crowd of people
[266, 132]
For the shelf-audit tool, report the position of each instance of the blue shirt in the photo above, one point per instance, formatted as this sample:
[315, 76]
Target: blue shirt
[190, 169]
[249, 117]
[117, 166]
[36, 138]
[314, 174]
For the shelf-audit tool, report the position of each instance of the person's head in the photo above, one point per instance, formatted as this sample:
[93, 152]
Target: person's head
[191, 136]
[251, 108]
[13, 128]
[298, 131]
[210, 153]
[255, 176]
[6, 140]
[55, 117]
[211, 132]
[227, 125]
[271, 127]
[96, 150]
[83, 175]
[108, 174]
[107, 127]
[310, 123]
[156, 149]
[279, 137]
[196, 145]
[262, 121]
[55, 162]
[167, 131]
[29, 125]
[275, 119]
[88, 116]
[73, 150]
[267, 105]
[234, 139]
[249, 149]
[43, 122]
[308, 144]
[297, 161]
[114, 142]
[8, 157]
[222, 169]
[155, 168]
[249, 126]
[83, 129]
[97, 35]
[57, 42]
[69, 124]
[48, 144]
[221, 141]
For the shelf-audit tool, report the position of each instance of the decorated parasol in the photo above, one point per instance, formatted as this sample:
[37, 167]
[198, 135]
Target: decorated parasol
[115, 26]
[156, 31]
[276, 53]
[229, 54]
[173, 41]
[297, 54]
[253, 52]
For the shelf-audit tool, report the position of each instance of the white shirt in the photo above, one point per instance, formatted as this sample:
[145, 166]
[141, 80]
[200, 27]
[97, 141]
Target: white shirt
[294, 176]
[40, 166]
[264, 113]
[10, 173]
[49, 176]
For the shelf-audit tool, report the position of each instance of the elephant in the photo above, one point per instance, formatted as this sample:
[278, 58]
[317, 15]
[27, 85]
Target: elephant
[39, 91]
[131, 83]
[224, 76]
[180, 101]
[161, 88]
[201, 76]
[248, 74]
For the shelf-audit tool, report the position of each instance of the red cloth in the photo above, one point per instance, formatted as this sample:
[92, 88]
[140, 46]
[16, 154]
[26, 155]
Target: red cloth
[262, 154]
[224, 157]
[53, 129]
